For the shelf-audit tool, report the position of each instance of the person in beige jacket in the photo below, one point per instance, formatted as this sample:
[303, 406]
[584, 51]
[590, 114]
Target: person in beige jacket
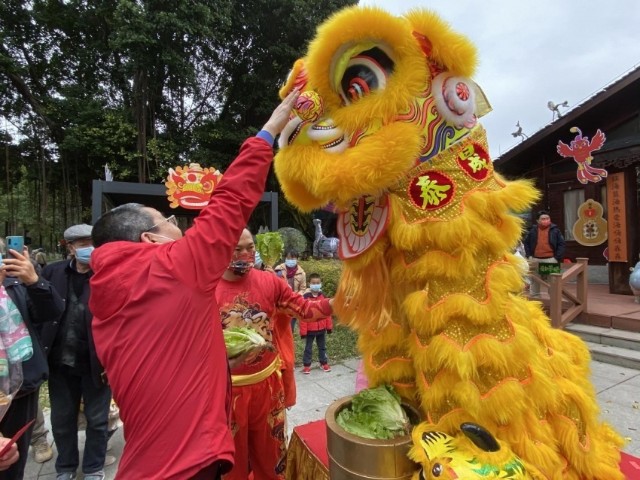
[294, 275]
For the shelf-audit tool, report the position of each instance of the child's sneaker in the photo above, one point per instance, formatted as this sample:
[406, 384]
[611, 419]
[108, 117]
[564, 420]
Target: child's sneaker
[306, 370]
[326, 367]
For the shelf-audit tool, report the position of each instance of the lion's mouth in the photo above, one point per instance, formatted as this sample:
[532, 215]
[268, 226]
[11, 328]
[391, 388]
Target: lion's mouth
[362, 224]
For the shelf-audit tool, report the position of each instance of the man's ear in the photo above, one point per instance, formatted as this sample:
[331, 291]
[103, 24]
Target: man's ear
[147, 237]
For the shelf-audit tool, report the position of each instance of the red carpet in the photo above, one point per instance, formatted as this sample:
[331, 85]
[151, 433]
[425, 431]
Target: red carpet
[630, 466]
[314, 435]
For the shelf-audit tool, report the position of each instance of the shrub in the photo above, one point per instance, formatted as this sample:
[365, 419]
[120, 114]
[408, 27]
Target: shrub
[293, 240]
[329, 270]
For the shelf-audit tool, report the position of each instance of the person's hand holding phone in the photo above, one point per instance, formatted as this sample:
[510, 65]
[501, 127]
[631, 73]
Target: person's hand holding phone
[19, 265]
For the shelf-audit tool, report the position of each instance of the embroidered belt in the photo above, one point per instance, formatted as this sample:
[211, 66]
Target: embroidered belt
[253, 378]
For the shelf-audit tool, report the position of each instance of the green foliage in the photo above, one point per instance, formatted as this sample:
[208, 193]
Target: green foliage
[140, 85]
[329, 270]
[293, 239]
[239, 340]
[270, 247]
[341, 345]
[375, 413]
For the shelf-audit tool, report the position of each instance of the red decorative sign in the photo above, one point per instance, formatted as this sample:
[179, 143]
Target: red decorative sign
[191, 186]
[580, 149]
[431, 190]
[475, 162]
[617, 218]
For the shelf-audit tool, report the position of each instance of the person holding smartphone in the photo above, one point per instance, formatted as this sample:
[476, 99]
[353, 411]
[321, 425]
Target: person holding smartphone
[20, 310]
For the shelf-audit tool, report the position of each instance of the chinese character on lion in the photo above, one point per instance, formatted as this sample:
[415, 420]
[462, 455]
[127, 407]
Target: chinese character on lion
[387, 131]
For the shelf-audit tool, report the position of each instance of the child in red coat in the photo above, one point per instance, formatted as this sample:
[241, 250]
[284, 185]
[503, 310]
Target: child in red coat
[315, 330]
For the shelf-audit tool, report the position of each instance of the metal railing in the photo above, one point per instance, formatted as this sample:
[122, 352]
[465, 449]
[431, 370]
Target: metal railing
[558, 292]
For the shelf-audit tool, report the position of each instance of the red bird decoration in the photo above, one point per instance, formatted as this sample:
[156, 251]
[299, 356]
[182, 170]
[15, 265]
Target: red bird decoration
[580, 150]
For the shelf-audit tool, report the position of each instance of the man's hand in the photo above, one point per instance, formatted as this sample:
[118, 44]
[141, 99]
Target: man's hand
[10, 457]
[20, 266]
[280, 116]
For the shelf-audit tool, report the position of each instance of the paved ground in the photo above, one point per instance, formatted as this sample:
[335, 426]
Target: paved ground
[618, 395]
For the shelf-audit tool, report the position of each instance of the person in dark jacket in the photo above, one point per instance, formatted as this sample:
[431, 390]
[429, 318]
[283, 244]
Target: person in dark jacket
[21, 304]
[75, 372]
[544, 244]
[545, 241]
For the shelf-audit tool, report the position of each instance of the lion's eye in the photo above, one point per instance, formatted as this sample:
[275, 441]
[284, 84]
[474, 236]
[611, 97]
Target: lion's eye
[365, 73]
[436, 471]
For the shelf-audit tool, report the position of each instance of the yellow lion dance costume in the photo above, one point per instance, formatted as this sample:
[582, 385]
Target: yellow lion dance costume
[387, 132]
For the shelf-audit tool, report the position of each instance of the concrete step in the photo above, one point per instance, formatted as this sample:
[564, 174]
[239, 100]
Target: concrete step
[608, 345]
[622, 357]
[606, 336]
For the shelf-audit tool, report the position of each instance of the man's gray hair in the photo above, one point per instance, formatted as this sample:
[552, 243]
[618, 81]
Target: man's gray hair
[124, 223]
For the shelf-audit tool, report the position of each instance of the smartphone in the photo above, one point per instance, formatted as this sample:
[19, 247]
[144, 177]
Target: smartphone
[15, 242]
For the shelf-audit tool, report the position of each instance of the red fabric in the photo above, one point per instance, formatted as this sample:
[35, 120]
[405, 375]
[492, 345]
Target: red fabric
[314, 436]
[286, 347]
[317, 325]
[264, 302]
[543, 247]
[258, 430]
[630, 466]
[291, 271]
[158, 335]
[254, 301]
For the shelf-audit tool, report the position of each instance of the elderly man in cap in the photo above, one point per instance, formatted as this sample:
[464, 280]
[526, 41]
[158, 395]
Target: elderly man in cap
[75, 372]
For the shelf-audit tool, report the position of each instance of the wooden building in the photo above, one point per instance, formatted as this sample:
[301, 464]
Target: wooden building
[615, 110]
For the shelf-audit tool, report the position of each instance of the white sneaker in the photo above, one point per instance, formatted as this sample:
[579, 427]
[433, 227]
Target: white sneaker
[66, 476]
[109, 460]
[42, 452]
[94, 476]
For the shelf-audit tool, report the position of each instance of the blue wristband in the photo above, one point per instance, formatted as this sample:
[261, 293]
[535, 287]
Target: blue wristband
[266, 136]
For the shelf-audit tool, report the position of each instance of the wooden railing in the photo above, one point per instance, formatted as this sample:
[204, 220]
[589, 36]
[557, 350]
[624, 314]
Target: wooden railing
[558, 291]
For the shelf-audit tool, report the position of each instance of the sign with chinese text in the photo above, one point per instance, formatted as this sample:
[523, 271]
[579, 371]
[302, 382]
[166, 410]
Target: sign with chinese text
[617, 218]
[548, 268]
[591, 228]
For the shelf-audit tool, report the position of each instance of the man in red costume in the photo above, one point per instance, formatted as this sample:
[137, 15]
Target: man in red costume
[158, 334]
[252, 298]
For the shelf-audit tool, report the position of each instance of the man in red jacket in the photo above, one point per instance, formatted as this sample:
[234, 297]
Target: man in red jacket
[158, 333]
[252, 298]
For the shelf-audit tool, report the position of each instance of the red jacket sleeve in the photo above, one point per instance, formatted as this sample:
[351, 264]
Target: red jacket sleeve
[202, 255]
[297, 306]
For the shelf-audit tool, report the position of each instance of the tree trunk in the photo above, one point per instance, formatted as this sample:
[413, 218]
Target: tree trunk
[141, 97]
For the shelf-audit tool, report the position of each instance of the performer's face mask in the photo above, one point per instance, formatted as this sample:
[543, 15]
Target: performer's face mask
[241, 263]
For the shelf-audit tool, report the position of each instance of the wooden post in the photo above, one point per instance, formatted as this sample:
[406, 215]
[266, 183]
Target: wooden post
[582, 287]
[555, 299]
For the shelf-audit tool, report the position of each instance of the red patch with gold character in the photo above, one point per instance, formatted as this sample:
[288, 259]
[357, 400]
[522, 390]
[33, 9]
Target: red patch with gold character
[475, 162]
[431, 190]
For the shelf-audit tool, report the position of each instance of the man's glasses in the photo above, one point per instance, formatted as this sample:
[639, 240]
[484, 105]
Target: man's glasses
[172, 220]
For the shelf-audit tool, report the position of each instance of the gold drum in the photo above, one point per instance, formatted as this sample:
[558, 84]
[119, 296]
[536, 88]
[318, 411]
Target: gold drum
[356, 458]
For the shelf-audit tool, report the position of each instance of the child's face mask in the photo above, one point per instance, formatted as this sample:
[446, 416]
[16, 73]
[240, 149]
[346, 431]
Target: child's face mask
[315, 287]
